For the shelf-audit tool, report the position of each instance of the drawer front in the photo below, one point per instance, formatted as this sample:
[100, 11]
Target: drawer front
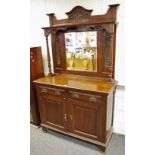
[85, 97]
[47, 91]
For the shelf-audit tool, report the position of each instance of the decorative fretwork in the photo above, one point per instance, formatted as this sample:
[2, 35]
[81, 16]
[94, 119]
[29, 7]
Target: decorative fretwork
[57, 51]
[107, 52]
[108, 55]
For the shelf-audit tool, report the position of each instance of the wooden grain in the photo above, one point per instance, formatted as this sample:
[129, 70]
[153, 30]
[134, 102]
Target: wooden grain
[79, 82]
[86, 119]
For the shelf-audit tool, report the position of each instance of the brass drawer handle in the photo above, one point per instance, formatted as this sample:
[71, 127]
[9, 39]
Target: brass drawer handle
[75, 95]
[44, 90]
[93, 99]
[57, 93]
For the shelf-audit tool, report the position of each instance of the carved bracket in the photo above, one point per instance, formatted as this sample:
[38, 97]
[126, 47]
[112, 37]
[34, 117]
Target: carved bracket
[47, 31]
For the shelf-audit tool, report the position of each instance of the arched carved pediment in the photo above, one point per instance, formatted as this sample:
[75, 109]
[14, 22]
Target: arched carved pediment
[81, 16]
[79, 12]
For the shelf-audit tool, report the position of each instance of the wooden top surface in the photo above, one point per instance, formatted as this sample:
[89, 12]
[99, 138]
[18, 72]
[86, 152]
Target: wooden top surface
[79, 82]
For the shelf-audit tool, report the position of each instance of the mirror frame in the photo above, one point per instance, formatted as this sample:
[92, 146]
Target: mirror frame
[80, 20]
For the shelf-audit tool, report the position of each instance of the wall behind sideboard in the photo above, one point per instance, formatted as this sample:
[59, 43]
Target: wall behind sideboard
[38, 19]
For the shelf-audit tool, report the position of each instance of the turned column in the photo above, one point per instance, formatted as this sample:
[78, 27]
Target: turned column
[47, 31]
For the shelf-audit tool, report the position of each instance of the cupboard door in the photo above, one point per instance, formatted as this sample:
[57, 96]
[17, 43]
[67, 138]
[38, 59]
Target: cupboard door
[54, 113]
[85, 119]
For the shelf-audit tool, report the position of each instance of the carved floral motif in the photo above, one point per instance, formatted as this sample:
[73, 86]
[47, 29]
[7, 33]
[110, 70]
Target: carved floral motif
[79, 13]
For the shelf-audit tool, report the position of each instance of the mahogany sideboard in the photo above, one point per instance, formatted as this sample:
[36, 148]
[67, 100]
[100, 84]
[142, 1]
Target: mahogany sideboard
[77, 97]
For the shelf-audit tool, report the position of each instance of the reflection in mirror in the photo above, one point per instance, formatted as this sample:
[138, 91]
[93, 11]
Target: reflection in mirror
[81, 50]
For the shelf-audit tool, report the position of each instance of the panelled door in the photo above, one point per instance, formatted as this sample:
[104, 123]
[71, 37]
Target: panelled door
[85, 118]
[53, 108]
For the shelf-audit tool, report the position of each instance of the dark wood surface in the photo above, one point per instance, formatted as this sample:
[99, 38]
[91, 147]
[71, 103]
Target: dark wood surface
[36, 71]
[79, 82]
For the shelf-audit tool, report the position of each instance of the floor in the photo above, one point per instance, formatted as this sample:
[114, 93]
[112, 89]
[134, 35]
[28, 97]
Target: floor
[53, 143]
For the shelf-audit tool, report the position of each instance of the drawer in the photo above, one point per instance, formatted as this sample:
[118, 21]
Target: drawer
[51, 91]
[85, 97]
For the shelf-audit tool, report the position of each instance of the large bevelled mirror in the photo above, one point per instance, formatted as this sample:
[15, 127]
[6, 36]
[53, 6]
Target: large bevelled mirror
[81, 51]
